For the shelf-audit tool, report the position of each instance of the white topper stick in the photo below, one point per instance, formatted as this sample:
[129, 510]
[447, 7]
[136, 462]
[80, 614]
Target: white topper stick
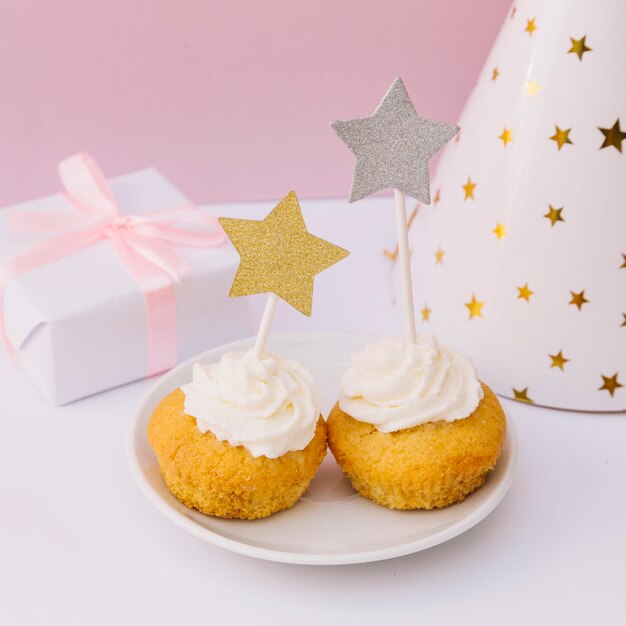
[405, 264]
[264, 328]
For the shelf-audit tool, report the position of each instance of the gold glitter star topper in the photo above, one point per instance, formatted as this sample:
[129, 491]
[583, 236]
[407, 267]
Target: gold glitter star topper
[279, 255]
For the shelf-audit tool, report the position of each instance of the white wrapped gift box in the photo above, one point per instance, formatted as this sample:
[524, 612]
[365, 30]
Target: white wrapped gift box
[78, 325]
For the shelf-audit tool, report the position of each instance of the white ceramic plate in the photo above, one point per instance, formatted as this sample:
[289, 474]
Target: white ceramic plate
[331, 524]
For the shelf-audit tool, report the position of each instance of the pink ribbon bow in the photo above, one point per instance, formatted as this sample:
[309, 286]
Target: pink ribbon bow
[143, 244]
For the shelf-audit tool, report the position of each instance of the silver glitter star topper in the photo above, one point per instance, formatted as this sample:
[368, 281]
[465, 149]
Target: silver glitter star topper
[392, 149]
[393, 146]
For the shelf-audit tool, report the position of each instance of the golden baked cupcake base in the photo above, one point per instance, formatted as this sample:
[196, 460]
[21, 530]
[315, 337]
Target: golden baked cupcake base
[223, 480]
[432, 465]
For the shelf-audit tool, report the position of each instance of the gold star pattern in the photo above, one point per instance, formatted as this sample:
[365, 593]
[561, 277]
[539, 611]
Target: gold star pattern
[561, 137]
[521, 395]
[554, 215]
[499, 231]
[524, 293]
[278, 255]
[532, 88]
[495, 72]
[413, 215]
[579, 47]
[613, 136]
[439, 256]
[394, 255]
[469, 187]
[531, 27]
[475, 307]
[426, 313]
[578, 299]
[624, 322]
[610, 384]
[558, 360]
[437, 198]
[506, 136]
[623, 265]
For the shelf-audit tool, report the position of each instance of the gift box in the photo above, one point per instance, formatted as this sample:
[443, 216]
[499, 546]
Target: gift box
[113, 288]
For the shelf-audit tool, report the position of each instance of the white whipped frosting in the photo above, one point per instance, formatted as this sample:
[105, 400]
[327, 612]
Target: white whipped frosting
[394, 385]
[270, 405]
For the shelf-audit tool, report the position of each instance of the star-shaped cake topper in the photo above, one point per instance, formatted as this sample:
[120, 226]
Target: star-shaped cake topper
[279, 255]
[393, 146]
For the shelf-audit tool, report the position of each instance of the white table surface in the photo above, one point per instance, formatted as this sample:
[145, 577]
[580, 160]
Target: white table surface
[80, 545]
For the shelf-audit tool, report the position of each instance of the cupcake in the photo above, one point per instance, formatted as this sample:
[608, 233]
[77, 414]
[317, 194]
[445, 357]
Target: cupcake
[243, 439]
[414, 428]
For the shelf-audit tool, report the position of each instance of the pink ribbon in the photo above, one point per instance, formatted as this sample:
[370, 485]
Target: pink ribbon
[143, 243]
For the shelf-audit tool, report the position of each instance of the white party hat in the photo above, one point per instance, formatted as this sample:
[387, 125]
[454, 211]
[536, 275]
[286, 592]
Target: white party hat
[520, 259]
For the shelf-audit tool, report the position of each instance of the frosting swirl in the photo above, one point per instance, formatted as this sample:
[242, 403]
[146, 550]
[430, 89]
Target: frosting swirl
[396, 385]
[270, 405]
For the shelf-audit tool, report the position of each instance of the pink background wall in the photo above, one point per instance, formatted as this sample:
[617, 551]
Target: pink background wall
[231, 99]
